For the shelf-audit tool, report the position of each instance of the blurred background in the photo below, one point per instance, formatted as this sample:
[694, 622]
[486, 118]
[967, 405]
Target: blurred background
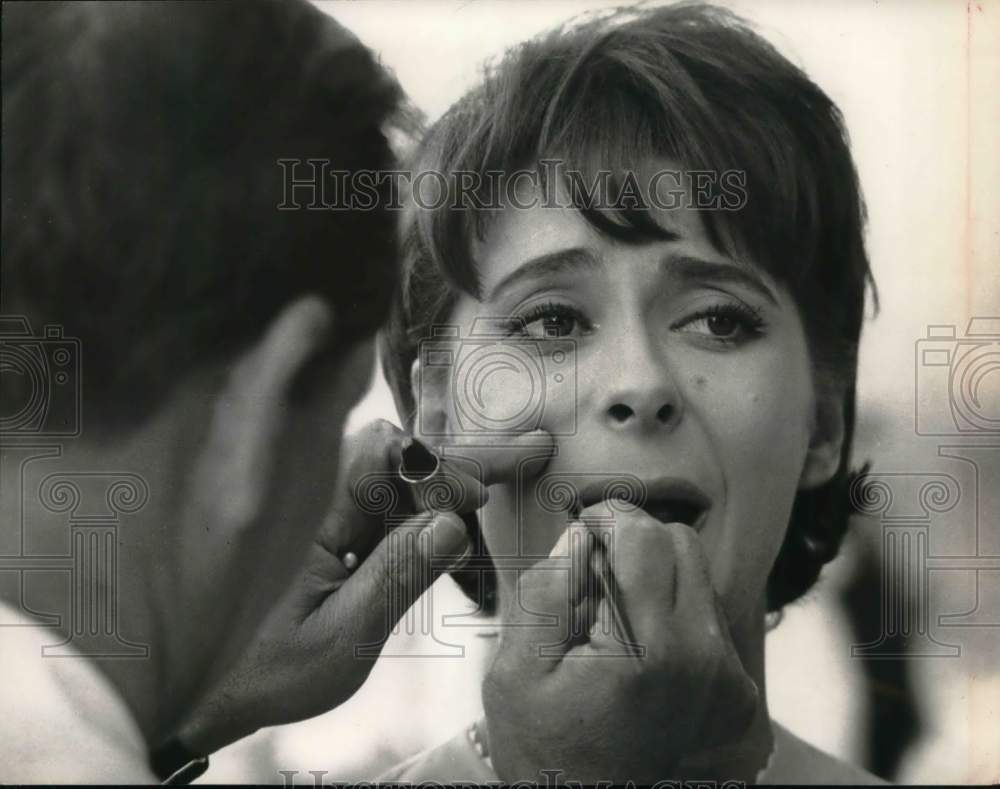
[892, 661]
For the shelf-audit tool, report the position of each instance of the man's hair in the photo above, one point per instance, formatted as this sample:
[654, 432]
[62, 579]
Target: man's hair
[141, 183]
[694, 84]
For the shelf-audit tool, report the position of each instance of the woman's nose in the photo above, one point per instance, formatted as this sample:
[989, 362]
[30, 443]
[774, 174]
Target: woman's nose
[642, 394]
[647, 409]
[621, 414]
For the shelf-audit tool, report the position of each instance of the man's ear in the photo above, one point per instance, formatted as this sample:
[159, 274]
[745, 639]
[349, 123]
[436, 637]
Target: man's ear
[826, 441]
[430, 396]
[253, 407]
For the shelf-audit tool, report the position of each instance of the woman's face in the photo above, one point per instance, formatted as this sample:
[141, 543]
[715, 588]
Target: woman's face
[666, 362]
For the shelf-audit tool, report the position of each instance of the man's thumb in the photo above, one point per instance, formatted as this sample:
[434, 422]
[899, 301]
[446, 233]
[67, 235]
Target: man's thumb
[448, 540]
[405, 563]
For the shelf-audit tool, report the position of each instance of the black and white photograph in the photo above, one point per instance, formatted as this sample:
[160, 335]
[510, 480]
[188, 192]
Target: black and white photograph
[491, 392]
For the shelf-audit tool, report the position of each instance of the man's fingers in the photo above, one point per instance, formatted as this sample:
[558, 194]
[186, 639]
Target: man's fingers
[696, 597]
[470, 465]
[449, 490]
[548, 618]
[493, 459]
[366, 491]
[641, 555]
[373, 448]
[399, 570]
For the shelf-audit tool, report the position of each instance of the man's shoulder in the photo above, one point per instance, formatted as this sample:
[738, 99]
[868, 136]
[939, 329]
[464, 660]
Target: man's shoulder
[62, 721]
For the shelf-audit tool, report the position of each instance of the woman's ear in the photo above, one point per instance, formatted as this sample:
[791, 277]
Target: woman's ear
[825, 442]
[430, 396]
[253, 407]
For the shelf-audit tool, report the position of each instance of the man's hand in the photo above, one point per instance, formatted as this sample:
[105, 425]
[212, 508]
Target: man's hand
[573, 698]
[318, 644]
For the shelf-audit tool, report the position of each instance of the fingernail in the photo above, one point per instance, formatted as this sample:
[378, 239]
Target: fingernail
[448, 535]
[450, 466]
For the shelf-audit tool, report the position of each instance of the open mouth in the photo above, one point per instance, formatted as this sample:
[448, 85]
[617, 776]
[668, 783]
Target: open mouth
[683, 511]
[668, 500]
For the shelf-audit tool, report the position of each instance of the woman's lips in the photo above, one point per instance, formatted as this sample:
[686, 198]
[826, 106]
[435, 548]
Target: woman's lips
[668, 499]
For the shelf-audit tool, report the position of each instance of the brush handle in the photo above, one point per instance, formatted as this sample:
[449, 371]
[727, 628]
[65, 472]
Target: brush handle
[609, 589]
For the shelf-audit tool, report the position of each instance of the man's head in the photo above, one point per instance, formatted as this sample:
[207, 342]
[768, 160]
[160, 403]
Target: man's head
[222, 340]
[141, 184]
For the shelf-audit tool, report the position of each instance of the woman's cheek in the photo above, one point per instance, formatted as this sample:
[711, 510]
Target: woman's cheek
[514, 387]
[761, 437]
[518, 535]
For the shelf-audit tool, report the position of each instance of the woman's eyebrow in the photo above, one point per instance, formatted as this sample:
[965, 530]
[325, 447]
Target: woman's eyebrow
[694, 269]
[572, 259]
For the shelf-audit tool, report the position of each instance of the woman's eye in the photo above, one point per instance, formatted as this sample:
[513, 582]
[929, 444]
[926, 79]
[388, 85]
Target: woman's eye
[557, 325]
[553, 321]
[726, 323]
[722, 325]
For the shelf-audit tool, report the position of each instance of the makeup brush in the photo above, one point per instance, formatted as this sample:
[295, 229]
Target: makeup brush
[610, 590]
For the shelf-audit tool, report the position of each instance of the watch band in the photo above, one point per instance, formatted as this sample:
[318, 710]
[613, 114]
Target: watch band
[175, 763]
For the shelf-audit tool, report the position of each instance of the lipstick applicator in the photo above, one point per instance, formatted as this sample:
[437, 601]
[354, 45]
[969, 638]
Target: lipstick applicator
[610, 591]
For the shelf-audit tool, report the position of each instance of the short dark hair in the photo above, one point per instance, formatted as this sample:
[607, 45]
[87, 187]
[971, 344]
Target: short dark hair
[141, 182]
[693, 83]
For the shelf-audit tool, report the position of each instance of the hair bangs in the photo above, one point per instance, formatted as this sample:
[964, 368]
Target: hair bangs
[622, 102]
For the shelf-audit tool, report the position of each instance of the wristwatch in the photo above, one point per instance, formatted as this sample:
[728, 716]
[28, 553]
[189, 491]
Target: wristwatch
[175, 763]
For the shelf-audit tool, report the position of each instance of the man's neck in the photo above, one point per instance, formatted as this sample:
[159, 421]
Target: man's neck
[104, 507]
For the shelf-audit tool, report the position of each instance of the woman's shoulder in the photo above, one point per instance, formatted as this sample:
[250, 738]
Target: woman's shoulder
[455, 761]
[796, 761]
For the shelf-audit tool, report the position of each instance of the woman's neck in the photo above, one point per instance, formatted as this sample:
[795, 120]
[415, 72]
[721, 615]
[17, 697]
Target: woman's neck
[751, 754]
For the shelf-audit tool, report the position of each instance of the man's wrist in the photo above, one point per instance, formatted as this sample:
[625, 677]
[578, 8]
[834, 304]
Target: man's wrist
[176, 763]
[207, 733]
